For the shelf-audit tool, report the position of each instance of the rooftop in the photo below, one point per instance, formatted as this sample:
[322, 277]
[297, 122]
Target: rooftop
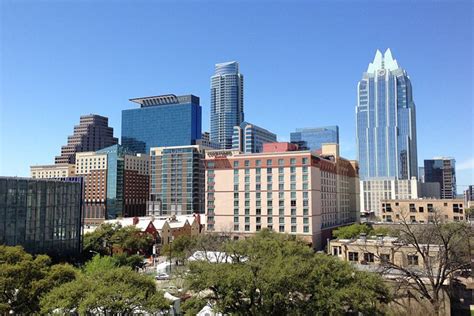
[165, 100]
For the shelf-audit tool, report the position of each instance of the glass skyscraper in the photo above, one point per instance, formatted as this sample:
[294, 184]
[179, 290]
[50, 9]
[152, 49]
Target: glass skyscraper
[386, 122]
[314, 138]
[249, 138]
[166, 120]
[227, 103]
[442, 170]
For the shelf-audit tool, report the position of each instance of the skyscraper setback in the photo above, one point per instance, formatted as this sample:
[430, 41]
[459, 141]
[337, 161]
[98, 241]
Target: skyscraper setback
[386, 123]
[92, 133]
[227, 105]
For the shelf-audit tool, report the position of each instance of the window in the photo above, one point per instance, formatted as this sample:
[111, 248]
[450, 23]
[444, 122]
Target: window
[384, 257]
[258, 163]
[305, 220]
[281, 187]
[236, 164]
[247, 163]
[305, 161]
[293, 229]
[236, 187]
[305, 169]
[236, 219]
[247, 219]
[281, 220]
[412, 207]
[430, 208]
[270, 220]
[412, 260]
[281, 178]
[305, 229]
[258, 170]
[258, 211]
[258, 227]
[258, 187]
[247, 211]
[293, 203]
[292, 169]
[236, 211]
[281, 170]
[269, 203]
[413, 219]
[368, 257]
[281, 162]
[281, 229]
[353, 256]
[421, 209]
[269, 170]
[293, 161]
[269, 162]
[293, 212]
[247, 228]
[270, 212]
[293, 220]
[247, 171]
[305, 212]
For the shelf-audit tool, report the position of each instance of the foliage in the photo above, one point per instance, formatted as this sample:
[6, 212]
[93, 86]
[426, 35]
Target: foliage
[193, 305]
[181, 248]
[352, 231]
[104, 288]
[277, 274]
[112, 236]
[134, 261]
[24, 278]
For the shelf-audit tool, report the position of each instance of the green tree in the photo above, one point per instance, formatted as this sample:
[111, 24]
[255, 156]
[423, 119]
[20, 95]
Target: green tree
[24, 278]
[277, 274]
[104, 288]
[193, 305]
[181, 248]
[352, 231]
[108, 237]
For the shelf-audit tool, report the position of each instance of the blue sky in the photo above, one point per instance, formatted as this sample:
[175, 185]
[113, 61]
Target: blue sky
[301, 61]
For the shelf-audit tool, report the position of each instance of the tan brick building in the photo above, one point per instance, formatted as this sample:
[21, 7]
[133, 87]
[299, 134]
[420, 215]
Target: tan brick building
[377, 250]
[295, 192]
[52, 171]
[422, 210]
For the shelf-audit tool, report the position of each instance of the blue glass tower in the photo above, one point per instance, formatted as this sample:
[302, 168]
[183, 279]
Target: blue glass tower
[227, 103]
[315, 137]
[386, 122]
[249, 138]
[166, 120]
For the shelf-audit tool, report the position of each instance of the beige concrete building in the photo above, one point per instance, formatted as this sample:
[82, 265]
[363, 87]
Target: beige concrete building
[295, 192]
[422, 210]
[377, 250]
[52, 171]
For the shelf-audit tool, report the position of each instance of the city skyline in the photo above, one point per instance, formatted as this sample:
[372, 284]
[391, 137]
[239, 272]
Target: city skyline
[323, 108]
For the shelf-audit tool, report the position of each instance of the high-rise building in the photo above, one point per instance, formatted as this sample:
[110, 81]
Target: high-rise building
[92, 133]
[166, 120]
[42, 215]
[116, 183]
[249, 138]
[227, 103]
[469, 193]
[442, 170]
[315, 137]
[282, 188]
[177, 180]
[205, 141]
[421, 174]
[386, 124]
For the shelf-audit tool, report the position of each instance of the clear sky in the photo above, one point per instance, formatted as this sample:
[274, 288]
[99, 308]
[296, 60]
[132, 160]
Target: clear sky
[301, 61]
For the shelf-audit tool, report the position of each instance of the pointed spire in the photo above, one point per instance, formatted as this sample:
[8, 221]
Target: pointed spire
[377, 63]
[384, 61]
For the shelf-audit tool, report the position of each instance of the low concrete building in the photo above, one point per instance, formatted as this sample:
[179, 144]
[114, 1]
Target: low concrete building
[422, 210]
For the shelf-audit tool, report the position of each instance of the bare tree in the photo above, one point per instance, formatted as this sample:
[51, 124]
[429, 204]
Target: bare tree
[444, 252]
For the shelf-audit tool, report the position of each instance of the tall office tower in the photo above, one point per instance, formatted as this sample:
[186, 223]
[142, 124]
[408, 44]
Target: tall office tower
[469, 193]
[116, 183]
[227, 103]
[165, 120]
[421, 174]
[42, 215]
[177, 180]
[249, 138]
[386, 124]
[315, 137]
[442, 170]
[92, 133]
